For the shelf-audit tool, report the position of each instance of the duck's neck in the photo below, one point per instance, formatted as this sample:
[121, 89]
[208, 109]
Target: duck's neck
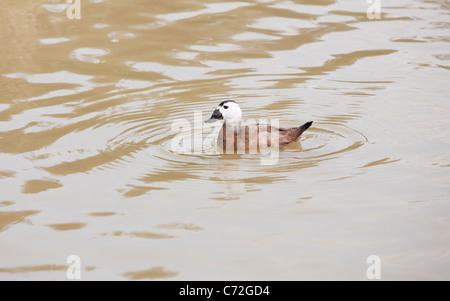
[234, 125]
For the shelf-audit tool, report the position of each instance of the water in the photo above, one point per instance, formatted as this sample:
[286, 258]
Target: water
[87, 168]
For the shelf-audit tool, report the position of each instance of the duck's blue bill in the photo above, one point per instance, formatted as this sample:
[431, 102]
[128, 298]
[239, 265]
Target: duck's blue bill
[216, 115]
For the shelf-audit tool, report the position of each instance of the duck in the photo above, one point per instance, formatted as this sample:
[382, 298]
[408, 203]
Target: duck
[235, 135]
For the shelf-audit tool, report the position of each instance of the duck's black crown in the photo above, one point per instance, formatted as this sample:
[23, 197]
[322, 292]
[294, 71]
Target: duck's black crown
[225, 101]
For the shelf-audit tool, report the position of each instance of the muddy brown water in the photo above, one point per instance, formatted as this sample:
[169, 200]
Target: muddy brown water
[86, 160]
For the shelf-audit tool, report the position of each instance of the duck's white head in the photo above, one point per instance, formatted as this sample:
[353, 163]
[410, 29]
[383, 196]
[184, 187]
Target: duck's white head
[227, 110]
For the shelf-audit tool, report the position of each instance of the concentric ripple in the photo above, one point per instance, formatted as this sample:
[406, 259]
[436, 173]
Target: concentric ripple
[133, 133]
[90, 111]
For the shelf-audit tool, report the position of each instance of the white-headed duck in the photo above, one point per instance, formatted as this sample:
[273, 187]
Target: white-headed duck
[235, 135]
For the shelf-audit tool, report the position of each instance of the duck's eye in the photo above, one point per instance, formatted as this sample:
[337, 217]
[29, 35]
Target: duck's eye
[225, 107]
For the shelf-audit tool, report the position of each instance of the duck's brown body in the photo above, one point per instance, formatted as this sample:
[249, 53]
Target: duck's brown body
[256, 136]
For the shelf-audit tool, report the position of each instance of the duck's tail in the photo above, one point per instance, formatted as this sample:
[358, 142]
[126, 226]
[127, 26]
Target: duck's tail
[293, 134]
[304, 127]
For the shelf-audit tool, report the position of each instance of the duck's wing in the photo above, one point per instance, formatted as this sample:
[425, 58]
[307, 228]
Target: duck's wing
[284, 135]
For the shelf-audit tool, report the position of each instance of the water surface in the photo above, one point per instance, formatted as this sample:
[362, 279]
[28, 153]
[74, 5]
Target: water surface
[87, 168]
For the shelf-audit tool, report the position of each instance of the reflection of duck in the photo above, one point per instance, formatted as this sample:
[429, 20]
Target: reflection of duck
[238, 136]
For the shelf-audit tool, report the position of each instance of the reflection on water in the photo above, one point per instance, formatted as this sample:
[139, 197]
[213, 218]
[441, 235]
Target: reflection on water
[87, 166]
[67, 227]
[7, 219]
[36, 186]
[153, 273]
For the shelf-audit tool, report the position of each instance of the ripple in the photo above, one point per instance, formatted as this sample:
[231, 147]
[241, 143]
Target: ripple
[133, 84]
[285, 26]
[329, 139]
[211, 8]
[7, 174]
[36, 186]
[323, 141]
[141, 234]
[181, 226]
[91, 104]
[100, 26]
[55, 8]
[254, 36]
[9, 218]
[116, 36]
[40, 268]
[136, 135]
[4, 107]
[151, 235]
[67, 226]
[89, 55]
[216, 48]
[52, 78]
[137, 190]
[153, 273]
[52, 41]
[173, 72]
[102, 214]
[417, 256]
